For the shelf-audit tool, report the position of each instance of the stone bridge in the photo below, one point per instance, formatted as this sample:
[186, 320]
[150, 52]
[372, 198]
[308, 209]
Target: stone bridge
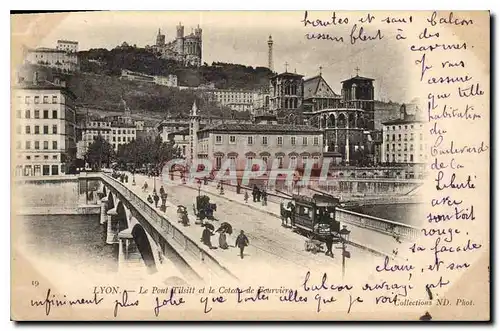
[142, 233]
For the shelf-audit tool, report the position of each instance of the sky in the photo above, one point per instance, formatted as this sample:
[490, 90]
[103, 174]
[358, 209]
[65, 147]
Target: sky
[241, 37]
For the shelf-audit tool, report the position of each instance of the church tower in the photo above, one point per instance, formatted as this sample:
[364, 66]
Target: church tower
[270, 53]
[194, 126]
[180, 39]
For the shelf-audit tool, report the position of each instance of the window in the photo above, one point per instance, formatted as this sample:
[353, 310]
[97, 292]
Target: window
[232, 139]
[18, 144]
[393, 137]
[45, 129]
[37, 129]
[114, 138]
[304, 160]
[54, 99]
[46, 99]
[27, 100]
[54, 157]
[421, 136]
[293, 161]
[18, 129]
[406, 147]
[280, 140]
[54, 129]
[119, 131]
[393, 147]
[45, 145]
[280, 161]
[399, 137]
[37, 99]
[406, 136]
[250, 140]
[45, 157]
[55, 170]
[27, 145]
[218, 139]
[316, 141]
[411, 135]
[119, 139]
[218, 162]
[27, 114]
[304, 140]
[37, 114]
[292, 140]
[411, 157]
[114, 131]
[18, 113]
[387, 137]
[54, 145]
[387, 147]
[264, 158]
[46, 170]
[37, 144]
[264, 140]
[411, 147]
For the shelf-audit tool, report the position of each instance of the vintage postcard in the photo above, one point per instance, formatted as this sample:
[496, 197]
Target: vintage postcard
[271, 166]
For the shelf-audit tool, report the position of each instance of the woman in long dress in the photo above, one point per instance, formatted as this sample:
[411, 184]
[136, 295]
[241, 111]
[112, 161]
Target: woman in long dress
[222, 240]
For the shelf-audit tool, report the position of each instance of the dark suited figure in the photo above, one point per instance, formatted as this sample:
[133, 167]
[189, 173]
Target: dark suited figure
[329, 246]
[241, 242]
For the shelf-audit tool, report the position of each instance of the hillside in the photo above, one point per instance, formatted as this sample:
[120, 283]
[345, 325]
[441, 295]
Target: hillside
[222, 75]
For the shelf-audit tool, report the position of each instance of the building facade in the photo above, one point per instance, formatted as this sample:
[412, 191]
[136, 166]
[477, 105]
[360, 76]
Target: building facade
[67, 46]
[286, 145]
[170, 80]
[185, 49]
[286, 93]
[347, 122]
[45, 128]
[64, 57]
[238, 100]
[403, 138]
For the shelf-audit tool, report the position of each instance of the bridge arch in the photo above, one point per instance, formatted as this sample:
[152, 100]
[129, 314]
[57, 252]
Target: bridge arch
[111, 201]
[142, 241]
[121, 217]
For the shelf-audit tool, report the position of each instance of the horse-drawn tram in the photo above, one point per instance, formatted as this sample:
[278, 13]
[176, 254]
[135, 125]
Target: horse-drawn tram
[313, 217]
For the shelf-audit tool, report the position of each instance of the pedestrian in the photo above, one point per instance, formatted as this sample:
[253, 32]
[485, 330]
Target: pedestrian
[162, 191]
[150, 200]
[241, 242]
[254, 193]
[126, 179]
[222, 240]
[246, 196]
[206, 237]
[145, 186]
[180, 214]
[156, 198]
[258, 195]
[329, 245]
[264, 198]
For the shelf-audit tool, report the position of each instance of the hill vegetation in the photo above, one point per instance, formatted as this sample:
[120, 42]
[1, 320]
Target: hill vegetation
[222, 75]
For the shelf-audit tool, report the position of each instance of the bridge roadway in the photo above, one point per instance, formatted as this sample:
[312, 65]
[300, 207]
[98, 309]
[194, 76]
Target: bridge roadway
[272, 248]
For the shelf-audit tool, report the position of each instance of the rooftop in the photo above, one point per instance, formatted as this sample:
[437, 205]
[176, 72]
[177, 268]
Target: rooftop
[247, 127]
[357, 77]
[402, 121]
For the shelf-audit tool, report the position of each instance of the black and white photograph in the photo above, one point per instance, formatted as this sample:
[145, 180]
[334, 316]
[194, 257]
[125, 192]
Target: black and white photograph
[252, 165]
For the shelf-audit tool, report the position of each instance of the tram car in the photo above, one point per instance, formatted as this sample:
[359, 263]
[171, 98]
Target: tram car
[315, 216]
[203, 208]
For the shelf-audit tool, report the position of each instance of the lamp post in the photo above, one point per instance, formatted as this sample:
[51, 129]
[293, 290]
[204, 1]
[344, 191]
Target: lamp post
[199, 186]
[344, 236]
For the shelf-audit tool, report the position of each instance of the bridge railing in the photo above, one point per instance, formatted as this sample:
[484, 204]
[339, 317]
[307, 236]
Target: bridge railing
[377, 224]
[382, 225]
[168, 230]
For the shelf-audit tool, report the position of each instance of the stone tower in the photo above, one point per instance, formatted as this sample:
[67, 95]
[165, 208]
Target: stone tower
[194, 126]
[270, 53]
[180, 39]
[160, 39]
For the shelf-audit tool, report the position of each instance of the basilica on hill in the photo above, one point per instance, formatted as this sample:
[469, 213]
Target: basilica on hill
[185, 49]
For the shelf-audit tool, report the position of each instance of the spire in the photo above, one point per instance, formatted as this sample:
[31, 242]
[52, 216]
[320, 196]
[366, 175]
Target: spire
[159, 32]
[194, 110]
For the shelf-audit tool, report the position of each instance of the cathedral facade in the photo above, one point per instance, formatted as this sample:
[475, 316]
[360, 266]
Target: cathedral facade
[185, 49]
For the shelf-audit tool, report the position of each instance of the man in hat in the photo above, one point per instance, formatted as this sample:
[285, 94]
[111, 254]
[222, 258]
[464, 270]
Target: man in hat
[241, 242]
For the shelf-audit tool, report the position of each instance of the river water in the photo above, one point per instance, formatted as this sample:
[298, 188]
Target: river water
[78, 241]
[411, 214]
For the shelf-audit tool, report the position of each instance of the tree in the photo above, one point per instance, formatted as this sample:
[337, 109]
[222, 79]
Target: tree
[100, 152]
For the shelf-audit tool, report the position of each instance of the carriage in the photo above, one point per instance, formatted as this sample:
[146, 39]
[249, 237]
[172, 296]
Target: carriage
[203, 208]
[313, 217]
